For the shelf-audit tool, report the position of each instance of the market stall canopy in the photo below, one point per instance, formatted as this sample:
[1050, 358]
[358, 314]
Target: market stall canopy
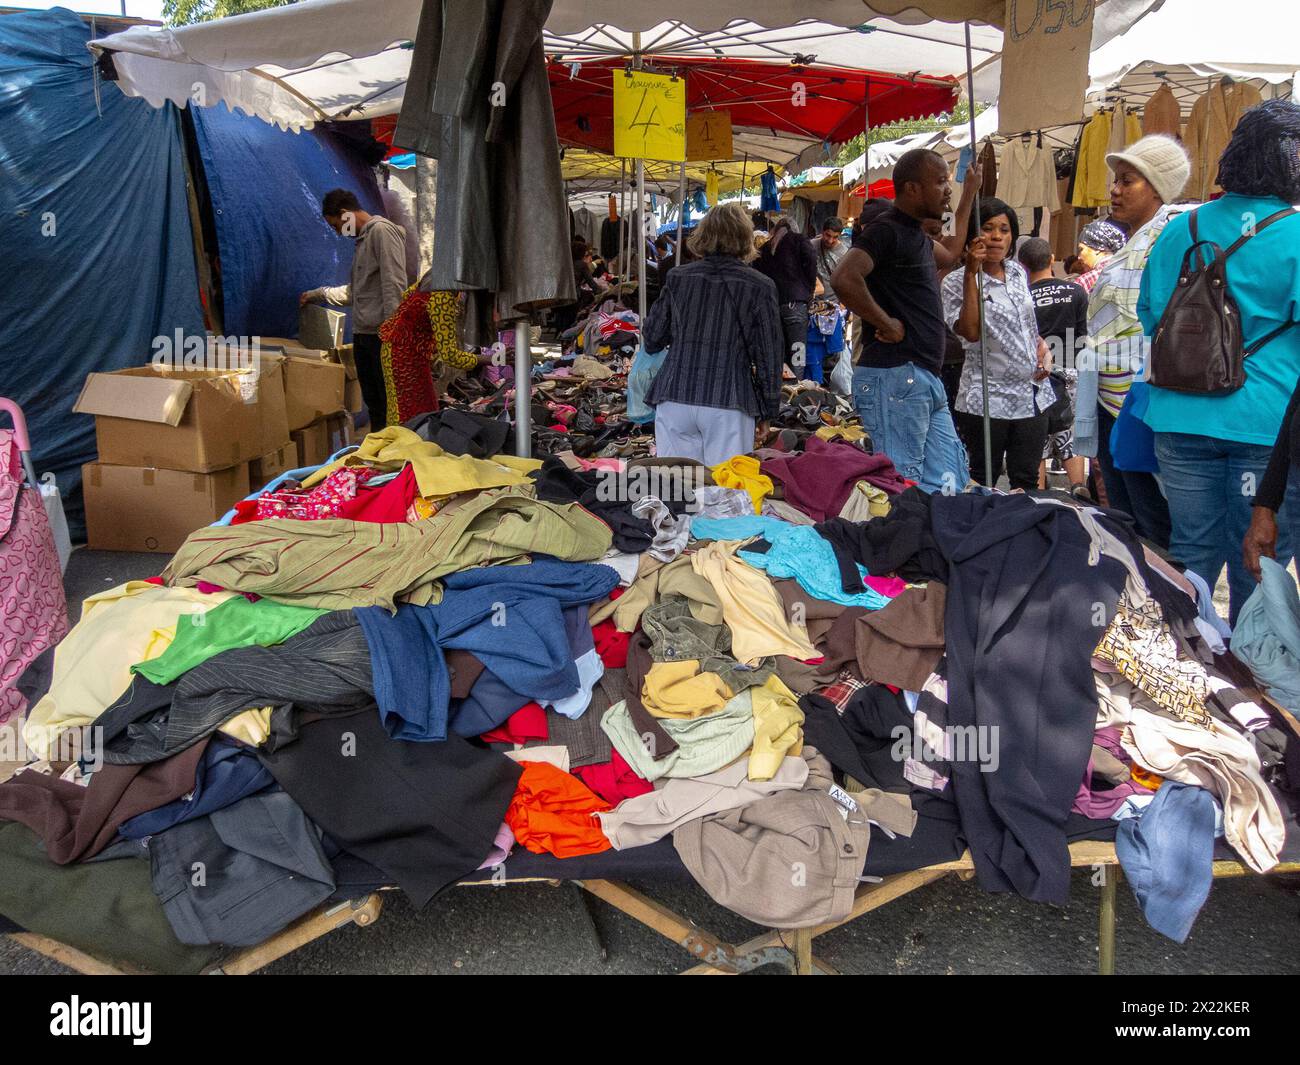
[306, 62]
[1254, 40]
[589, 170]
[877, 163]
[815, 104]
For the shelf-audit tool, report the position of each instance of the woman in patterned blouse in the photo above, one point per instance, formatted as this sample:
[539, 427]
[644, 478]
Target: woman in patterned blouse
[1016, 357]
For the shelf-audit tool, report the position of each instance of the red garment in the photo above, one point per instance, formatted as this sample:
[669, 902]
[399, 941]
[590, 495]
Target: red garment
[408, 353]
[615, 780]
[820, 480]
[552, 813]
[526, 723]
[386, 504]
[611, 644]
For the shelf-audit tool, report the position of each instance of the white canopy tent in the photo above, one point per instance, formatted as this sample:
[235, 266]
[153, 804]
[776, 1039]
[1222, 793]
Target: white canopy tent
[345, 59]
[1189, 41]
[877, 163]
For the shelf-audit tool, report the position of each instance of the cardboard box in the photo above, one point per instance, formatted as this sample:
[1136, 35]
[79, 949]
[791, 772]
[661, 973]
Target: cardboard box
[352, 399]
[320, 327]
[339, 425]
[264, 470]
[313, 388]
[312, 443]
[133, 508]
[193, 420]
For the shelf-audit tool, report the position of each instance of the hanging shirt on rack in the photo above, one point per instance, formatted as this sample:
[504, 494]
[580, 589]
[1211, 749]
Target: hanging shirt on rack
[711, 188]
[1124, 129]
[1091, 175]
[1162, 113]
[1209, 128]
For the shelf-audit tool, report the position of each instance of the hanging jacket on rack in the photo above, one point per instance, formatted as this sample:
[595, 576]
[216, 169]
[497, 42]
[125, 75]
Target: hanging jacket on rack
[1091, 180]
[1207, 132]
[770, 199]
[1162, 114]
[1124, 128]
[1028, 176]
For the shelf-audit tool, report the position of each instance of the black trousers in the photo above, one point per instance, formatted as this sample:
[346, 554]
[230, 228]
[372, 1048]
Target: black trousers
[794, 324]
[1016, 441]
[370, 376]
[1137, 494]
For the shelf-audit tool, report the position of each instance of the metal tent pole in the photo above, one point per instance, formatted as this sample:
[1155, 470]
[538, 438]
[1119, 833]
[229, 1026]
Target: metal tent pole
[523, 389]
[638, 213]
[979, 280]
[622, 218]
[681, 214]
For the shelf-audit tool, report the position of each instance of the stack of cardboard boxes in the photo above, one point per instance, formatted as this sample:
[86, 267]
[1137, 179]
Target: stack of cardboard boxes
[179, 447]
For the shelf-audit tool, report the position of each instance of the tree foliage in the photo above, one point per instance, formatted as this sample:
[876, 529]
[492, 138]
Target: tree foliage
[186, 12]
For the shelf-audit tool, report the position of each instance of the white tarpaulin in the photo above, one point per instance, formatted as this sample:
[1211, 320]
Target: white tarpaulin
[1190, 40]
[321, 59]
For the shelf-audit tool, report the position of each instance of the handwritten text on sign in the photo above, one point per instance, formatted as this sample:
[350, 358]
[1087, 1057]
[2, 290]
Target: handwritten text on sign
[708, 136]
[1044, 63]
[649, 116]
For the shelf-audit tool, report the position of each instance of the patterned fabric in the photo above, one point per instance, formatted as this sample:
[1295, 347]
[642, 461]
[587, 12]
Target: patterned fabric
[33, 613]
[422, 331]
[1114, 332]
[1140, 646]
[324, 501]
[841, 689]
[1011, 347]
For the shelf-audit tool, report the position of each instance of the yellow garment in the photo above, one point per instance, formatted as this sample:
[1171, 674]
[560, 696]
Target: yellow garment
[751, 607]
[680, 690]
[1132, 129]
[865, 502]
[676, 578]
[1207, 132]
[711, 187]
[436, 472]
[851, 433]
[92, 666]
[444, 315]
[742, 472]
[252, 726]
[778, 728]
[1091, 175]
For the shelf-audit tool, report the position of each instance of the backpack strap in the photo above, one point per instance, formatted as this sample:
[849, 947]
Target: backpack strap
[1275, 217]
[1272, 335]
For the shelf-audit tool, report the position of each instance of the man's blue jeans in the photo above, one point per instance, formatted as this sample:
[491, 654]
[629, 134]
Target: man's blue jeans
[905, 410]
[1210, 484]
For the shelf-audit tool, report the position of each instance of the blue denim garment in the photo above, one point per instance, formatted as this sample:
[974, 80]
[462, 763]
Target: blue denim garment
[1209, 484]
[1168, 854]
[905, 411]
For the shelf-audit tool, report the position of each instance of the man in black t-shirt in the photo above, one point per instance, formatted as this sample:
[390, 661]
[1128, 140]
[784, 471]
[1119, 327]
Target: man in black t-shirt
[1061, 308]
[890, 280]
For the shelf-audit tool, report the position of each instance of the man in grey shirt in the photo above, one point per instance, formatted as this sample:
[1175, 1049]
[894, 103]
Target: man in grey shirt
[374, 289]
[830, 251]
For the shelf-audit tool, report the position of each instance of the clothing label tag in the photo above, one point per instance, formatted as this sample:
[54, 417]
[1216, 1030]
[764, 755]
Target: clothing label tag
[845, 800]
[922, 775]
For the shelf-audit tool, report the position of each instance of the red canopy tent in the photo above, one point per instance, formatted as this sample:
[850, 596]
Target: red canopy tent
[829, 104]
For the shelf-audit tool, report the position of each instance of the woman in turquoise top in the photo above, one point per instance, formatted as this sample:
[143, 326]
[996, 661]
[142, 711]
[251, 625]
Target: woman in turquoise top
[1213, 450]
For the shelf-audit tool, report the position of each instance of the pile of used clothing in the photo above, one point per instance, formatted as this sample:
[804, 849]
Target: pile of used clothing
[456, 661]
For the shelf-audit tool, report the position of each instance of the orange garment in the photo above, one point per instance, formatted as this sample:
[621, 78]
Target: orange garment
[552, 813]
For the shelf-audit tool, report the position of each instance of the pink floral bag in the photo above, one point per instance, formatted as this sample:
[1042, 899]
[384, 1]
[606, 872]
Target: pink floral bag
[33, 612]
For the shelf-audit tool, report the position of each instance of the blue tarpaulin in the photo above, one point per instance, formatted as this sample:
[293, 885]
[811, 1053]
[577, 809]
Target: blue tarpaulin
[96, 242]
[265, 186]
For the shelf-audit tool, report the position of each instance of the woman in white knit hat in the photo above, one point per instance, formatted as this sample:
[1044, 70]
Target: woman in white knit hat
[1148, 177]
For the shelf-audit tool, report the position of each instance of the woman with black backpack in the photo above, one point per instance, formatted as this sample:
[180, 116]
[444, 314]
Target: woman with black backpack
[1213, 448]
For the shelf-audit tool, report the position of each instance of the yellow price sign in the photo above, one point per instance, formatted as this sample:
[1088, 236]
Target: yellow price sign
[708, 136]
[649, 116]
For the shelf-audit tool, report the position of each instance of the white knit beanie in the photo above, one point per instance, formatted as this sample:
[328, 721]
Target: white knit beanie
[1159, 159]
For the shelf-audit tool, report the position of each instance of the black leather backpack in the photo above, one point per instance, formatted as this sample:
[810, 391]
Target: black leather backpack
[1198, 346]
